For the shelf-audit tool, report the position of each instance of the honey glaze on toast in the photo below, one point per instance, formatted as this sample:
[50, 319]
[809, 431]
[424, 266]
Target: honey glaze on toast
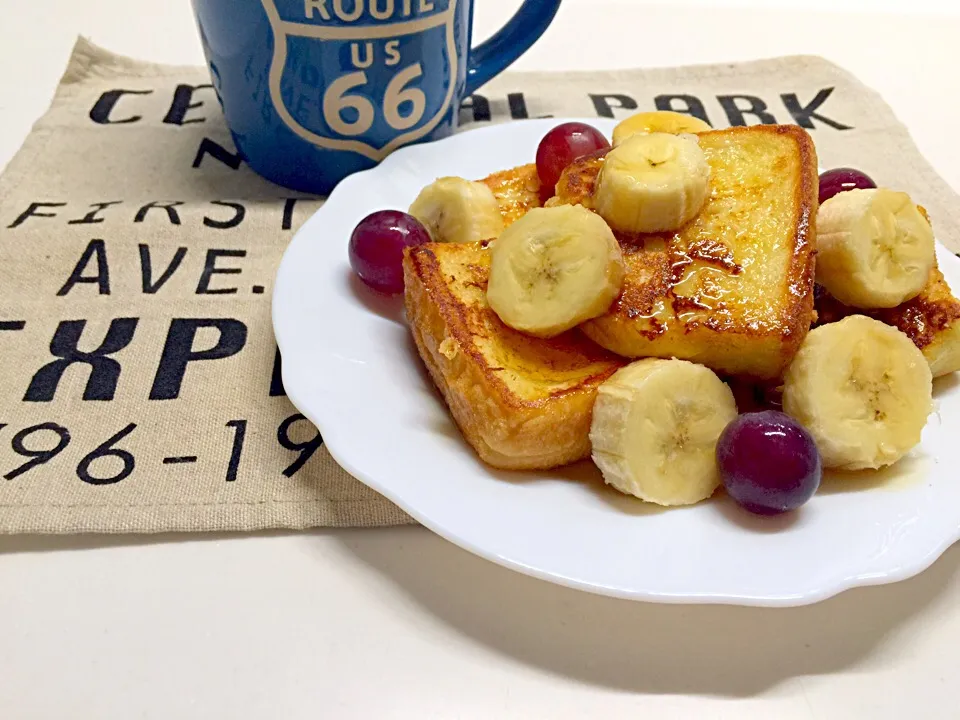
[521, 402]
[732, 289]
[526, 403]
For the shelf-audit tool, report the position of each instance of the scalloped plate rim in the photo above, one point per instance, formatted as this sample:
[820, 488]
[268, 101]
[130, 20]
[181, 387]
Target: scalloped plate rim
[298, 392]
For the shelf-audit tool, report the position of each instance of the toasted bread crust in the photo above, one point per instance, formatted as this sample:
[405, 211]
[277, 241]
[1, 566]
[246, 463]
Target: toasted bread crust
[527, 403]
[549, 426]
[931, 320]
[517, 191]
[799, 312]
[654, 318]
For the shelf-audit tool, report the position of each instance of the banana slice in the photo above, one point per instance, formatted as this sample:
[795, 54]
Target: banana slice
[457, 210]
[554, 268]
[862, 389]
[875, 248]
[652, 183]
[665, 121]
[943, 354]
[655, 429]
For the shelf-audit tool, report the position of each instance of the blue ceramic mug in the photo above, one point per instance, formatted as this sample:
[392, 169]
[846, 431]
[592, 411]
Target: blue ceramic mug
[314, 90]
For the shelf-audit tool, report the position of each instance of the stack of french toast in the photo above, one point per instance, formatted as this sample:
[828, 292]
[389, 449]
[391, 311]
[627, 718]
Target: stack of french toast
[532, 302]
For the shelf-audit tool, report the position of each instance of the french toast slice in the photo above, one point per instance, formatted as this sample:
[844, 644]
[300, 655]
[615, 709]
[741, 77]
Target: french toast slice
[523, 403]
[931, 320]
[733, 288]
[517, 191]
[527, 403]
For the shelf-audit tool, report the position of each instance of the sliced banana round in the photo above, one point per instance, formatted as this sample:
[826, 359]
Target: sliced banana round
[875, 248]
[454, 209]
[554, 268]
[652, 183]
[943, 354]
[655, 429]
[862, 389]
[665, 121]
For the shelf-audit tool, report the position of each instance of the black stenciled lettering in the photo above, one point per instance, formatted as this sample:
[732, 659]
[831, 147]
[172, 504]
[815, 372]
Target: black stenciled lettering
[104, 370]
[239, 433]
[479, 107]
[306, 448]
[170, 207]
[182, 102]
[804, 115]
[146, 269]
[178, 351]
[239, 211]
[217, 152]
[210, 269]
[91, 217]
[687, 104]
[276, 377]
[95, 249]
[31, 211]
[106, 450]
[736, 114]
[518, 107]
[37, 457]
[288, 206]
[604, 103]
[100, 112]
[181, 460]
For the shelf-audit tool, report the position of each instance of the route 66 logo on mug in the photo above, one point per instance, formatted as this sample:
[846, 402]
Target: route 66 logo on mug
[314, 90]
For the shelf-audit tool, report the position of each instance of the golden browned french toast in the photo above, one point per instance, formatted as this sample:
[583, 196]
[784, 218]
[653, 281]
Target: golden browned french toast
[732, 289]
[521, 402]
[931, 320]
[526, 403]
[517, 191]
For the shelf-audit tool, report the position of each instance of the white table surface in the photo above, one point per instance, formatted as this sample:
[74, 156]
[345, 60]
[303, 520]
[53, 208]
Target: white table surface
[398, 623]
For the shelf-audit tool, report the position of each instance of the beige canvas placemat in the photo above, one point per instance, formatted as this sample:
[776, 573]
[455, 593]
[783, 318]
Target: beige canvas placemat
[140, 384]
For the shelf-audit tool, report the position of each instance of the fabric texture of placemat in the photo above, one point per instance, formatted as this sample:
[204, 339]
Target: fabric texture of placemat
[141, 381]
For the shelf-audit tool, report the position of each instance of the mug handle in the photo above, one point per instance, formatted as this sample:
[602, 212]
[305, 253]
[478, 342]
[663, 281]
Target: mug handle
[523, 29]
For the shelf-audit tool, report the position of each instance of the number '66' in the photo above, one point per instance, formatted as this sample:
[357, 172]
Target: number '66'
[336, 99]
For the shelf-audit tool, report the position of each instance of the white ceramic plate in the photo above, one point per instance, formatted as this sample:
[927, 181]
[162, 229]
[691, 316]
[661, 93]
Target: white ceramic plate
[350, 366]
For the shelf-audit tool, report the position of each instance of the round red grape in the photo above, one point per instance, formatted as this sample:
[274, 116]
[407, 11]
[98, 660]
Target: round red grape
[376, 248]
[840, 179]
[564, 144]
[769, 462]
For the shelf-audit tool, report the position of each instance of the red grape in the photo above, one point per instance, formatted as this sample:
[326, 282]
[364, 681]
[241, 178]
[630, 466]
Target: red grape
[564, 144]
[840, 179]
[376, 248]
[769, 462]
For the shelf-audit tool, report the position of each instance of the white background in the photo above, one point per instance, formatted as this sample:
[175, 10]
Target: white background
[397, 623]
